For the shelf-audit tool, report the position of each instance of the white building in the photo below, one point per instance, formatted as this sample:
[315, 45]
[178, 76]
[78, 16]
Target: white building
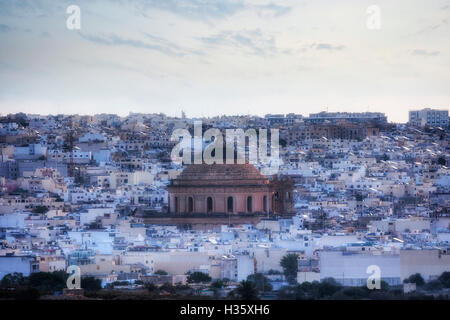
[31, 152]
[350, 268]
[21, 264]
[430, 117]
[237, 267]
[90, 215]
[13, 220]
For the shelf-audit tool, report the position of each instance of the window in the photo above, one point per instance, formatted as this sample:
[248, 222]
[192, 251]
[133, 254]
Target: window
[176, 204]
[249, 204]
[265, 203]
[209, 204]
[230, 204]
[190, 204]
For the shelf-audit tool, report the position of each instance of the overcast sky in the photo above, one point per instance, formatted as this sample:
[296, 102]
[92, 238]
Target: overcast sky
[213, 57]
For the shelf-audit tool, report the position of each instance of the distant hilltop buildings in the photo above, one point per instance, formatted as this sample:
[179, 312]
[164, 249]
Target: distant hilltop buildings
[322, 117]
[429, 117]
[355, 117]
[424, 117]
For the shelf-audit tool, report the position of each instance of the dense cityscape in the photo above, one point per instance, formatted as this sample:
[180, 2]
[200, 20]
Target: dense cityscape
[355, 197]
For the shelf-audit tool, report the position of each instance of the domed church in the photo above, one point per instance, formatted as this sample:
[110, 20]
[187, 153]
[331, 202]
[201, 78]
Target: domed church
[237, 189]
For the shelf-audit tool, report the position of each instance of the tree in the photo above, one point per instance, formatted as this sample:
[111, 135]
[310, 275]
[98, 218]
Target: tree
[91, 283]
[261, 282]
[289, 293]
[415, 278]
[444, 278]
[307, 290]
[197, 277]
[151, 287]
[434, 285]
[217, 284]
[247, 290]
[95, 225]
[13, 280]
[215, 287]
[352, 293]
[40, 209]
[272, 272]
[48, 282]
[289, 263]
[167, 287]
[40, 282]
[328, 287]
[21, 119]
[161, 272]
[384, 285]
[183, 288]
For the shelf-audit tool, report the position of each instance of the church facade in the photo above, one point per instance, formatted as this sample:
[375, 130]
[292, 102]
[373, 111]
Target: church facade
[229, 189]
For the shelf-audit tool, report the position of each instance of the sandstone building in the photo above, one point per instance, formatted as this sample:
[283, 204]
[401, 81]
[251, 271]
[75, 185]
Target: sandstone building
[229, 189]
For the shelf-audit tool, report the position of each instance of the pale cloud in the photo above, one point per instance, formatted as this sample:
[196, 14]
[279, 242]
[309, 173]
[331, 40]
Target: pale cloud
[249, 41]
[329, 47]
[191, 9]
[272, 10]
[4, 28]
[154, 43]
[422, 52]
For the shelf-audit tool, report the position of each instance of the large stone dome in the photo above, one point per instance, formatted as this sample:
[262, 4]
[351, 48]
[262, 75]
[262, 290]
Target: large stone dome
[227, 188]
[220, 174]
